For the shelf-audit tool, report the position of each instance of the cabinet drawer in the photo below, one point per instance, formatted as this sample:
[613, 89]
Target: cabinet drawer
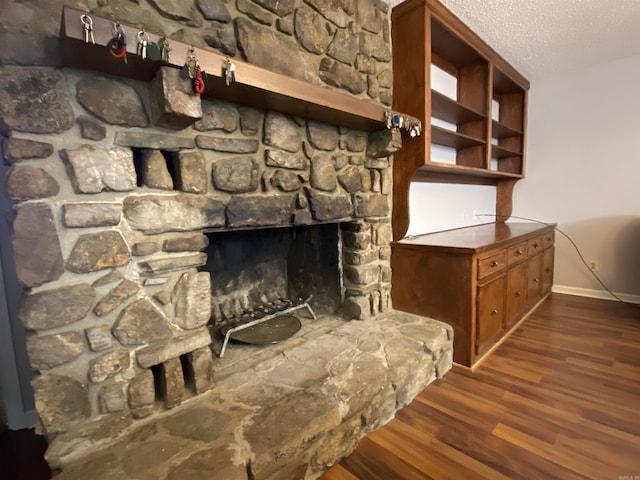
[492, 263]
[516, 298]
[535, 245]
[517, 253]
[547, 239]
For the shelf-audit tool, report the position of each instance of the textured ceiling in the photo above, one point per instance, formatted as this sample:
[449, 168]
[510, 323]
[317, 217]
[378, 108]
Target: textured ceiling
[543, 38]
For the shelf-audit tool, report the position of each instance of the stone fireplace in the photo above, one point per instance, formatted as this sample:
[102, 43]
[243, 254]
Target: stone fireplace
[146, 218]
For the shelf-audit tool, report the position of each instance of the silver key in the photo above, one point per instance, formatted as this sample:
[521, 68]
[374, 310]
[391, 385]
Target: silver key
[143, 41]
[229, 72]
[87, 28]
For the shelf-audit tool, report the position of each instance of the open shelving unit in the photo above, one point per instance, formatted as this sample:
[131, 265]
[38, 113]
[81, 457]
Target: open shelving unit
[485, 117]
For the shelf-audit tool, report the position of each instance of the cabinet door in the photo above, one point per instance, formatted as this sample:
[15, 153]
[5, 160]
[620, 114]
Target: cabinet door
[547, 270]
[516, 294]
[490, 314]
[534, 279]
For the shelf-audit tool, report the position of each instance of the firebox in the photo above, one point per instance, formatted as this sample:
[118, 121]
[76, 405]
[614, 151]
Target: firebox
[261, 278]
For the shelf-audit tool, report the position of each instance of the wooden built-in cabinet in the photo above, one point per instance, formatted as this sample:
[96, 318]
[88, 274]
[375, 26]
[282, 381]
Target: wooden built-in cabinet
[485, 121]
[482, 280]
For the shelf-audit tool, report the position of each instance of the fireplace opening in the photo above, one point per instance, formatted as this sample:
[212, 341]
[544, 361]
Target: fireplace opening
[264, 272]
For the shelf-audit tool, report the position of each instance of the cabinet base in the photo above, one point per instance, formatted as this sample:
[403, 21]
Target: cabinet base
[463, 368]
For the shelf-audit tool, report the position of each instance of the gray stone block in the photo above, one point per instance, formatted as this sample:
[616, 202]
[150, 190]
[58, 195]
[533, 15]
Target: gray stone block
[91, 214]
[47, 351]
[108, 365]
[18, 149]
[60, 401]
[24, 182]
[35, 100]
[172, 383]
[97, 251]
[113, 101]
[36, 246]
[158, 214]
[185, 343]
[141, 323]
[192, 299]
[163, 265]
[56, 307]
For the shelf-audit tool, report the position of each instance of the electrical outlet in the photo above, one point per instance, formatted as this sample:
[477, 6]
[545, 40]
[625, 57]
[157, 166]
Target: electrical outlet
[593, 265]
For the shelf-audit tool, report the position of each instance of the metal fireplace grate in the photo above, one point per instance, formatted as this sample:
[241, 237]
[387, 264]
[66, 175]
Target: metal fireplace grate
[264, 313]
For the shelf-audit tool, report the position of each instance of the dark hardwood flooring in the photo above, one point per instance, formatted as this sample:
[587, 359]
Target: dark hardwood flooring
[21, 456]
[559, 399]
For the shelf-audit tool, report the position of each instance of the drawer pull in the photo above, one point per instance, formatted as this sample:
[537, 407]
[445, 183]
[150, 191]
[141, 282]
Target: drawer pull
[518, 294]
[536, 245]
[494, 263]
[494, 311]
[536, 280]
[518, 253]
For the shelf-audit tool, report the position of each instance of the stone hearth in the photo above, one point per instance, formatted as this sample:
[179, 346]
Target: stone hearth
[284, 413]
[121, 190]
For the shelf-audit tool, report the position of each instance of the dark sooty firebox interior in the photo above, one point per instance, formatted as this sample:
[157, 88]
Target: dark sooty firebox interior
[262, 271]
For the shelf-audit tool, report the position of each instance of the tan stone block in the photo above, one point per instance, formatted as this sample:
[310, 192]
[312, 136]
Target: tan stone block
[141, 390]
[172, 383]
[188, 342]
[173, 104]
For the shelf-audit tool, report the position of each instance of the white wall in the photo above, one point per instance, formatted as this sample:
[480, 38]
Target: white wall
[436, 206]
[583, 172]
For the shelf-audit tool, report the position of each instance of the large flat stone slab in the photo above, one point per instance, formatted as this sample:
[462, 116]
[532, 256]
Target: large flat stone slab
[283, 411]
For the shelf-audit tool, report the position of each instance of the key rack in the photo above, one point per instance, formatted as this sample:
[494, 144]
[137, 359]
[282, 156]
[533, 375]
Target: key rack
[253, 85]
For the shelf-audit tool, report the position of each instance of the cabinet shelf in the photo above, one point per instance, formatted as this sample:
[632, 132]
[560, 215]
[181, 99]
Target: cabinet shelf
[448, 138]
[254, 86]
[447, 173]
[450, 110]
[499, 152]
[499, 130]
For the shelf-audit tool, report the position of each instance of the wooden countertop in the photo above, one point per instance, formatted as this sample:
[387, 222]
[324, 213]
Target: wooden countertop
[476, 238]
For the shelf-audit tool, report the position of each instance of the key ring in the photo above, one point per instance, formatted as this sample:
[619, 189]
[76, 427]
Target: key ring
[118, 44]
[87, 28]
[143, 36]
[87, 21]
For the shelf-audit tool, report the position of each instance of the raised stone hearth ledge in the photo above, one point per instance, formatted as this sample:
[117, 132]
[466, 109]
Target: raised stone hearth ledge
[284, 413]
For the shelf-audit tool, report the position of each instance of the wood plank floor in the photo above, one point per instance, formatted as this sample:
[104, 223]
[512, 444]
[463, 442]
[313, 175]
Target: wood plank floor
[560, 399]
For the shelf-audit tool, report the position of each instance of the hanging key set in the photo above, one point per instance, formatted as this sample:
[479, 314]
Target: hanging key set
[397, 120]
[157, 52]
[161, 51]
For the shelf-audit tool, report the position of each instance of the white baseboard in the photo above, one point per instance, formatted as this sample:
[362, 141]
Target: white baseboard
[602, 294]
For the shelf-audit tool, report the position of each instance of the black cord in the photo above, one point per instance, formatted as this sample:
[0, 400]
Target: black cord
[586, 264]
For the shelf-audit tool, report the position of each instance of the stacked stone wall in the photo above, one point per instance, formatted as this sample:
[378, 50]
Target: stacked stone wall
[114, 183]
[108, 233]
